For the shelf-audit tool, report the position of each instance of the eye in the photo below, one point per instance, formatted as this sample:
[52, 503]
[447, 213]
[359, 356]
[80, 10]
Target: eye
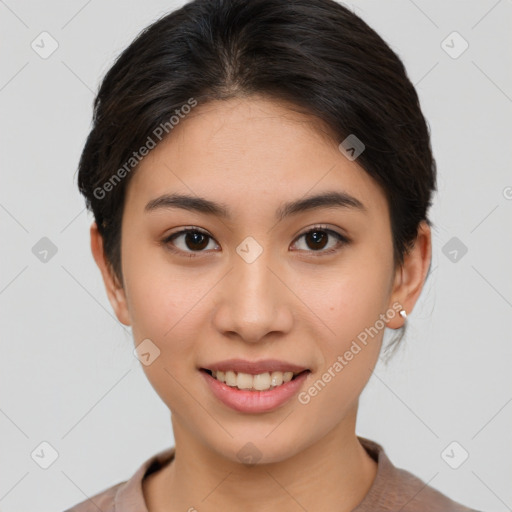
[191, 238]
[317, 238]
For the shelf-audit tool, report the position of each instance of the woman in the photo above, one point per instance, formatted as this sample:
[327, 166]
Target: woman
[260, 174]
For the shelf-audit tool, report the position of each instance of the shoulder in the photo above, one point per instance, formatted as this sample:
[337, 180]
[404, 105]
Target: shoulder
[396, 489]
[416, 495]
[128, 495]
[103, 501]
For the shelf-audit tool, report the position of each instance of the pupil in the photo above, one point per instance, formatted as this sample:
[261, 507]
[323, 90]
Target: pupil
[318, 236]
[195, 237]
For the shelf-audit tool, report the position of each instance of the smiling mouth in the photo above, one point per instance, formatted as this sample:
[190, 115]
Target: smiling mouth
[247, 382]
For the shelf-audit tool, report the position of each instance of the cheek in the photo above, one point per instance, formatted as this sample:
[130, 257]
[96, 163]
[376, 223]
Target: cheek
[351, 300]
[350, 306]
[165, 310]
[160, 296]
[169, 316]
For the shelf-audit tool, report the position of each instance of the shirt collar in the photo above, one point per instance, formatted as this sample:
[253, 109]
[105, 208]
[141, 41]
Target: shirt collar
[130, 498]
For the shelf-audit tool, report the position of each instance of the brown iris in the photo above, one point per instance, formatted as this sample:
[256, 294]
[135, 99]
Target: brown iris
[319, 239]
[196, 240]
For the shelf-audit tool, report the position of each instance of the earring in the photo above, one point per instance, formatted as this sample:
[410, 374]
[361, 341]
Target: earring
[403, 314]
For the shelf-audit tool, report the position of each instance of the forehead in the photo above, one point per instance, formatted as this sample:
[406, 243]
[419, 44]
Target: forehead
[250, 151]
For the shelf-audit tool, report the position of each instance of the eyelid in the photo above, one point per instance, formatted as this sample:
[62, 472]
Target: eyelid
[321, 227]
[188, 228]
[342, 239]
[166, 241]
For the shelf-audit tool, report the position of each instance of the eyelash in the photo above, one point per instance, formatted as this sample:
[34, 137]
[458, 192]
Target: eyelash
[342, 240]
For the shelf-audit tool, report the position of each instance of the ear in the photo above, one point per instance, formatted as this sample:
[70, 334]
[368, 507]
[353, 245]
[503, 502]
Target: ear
[410, 276]
[115, 292]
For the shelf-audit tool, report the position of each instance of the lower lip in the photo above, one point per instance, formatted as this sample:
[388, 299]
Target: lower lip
[254, 401]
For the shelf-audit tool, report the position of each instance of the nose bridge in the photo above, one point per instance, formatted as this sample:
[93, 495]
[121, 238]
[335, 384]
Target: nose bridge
[253, 303]
[255, 282]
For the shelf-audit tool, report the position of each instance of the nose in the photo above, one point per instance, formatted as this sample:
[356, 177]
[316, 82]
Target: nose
[254, 301]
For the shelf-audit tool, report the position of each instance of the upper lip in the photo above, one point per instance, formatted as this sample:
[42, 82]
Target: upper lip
[255, 367]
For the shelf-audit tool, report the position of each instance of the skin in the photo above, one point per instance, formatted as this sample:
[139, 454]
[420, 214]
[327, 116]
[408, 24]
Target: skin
[291, 303]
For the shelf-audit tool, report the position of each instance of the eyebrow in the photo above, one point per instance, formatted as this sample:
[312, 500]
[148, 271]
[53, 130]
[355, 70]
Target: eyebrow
[202, 205]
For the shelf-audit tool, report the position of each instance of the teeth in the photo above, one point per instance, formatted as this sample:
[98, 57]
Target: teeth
[260, 382]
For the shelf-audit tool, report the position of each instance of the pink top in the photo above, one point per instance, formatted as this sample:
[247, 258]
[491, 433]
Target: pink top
[393, 489]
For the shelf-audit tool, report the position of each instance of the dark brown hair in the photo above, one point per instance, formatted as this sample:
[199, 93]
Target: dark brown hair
[314, 54]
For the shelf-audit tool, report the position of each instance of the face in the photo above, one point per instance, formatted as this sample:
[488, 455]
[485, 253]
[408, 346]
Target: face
[301, 285]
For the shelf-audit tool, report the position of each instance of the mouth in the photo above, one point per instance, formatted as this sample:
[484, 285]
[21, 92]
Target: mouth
[265, 381]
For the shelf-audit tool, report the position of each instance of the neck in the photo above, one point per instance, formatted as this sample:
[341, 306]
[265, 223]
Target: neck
[334, 473]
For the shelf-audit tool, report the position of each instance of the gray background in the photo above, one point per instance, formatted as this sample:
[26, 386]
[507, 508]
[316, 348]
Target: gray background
[68, 374]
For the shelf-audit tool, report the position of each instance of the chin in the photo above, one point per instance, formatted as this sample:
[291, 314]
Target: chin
[260, 448]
